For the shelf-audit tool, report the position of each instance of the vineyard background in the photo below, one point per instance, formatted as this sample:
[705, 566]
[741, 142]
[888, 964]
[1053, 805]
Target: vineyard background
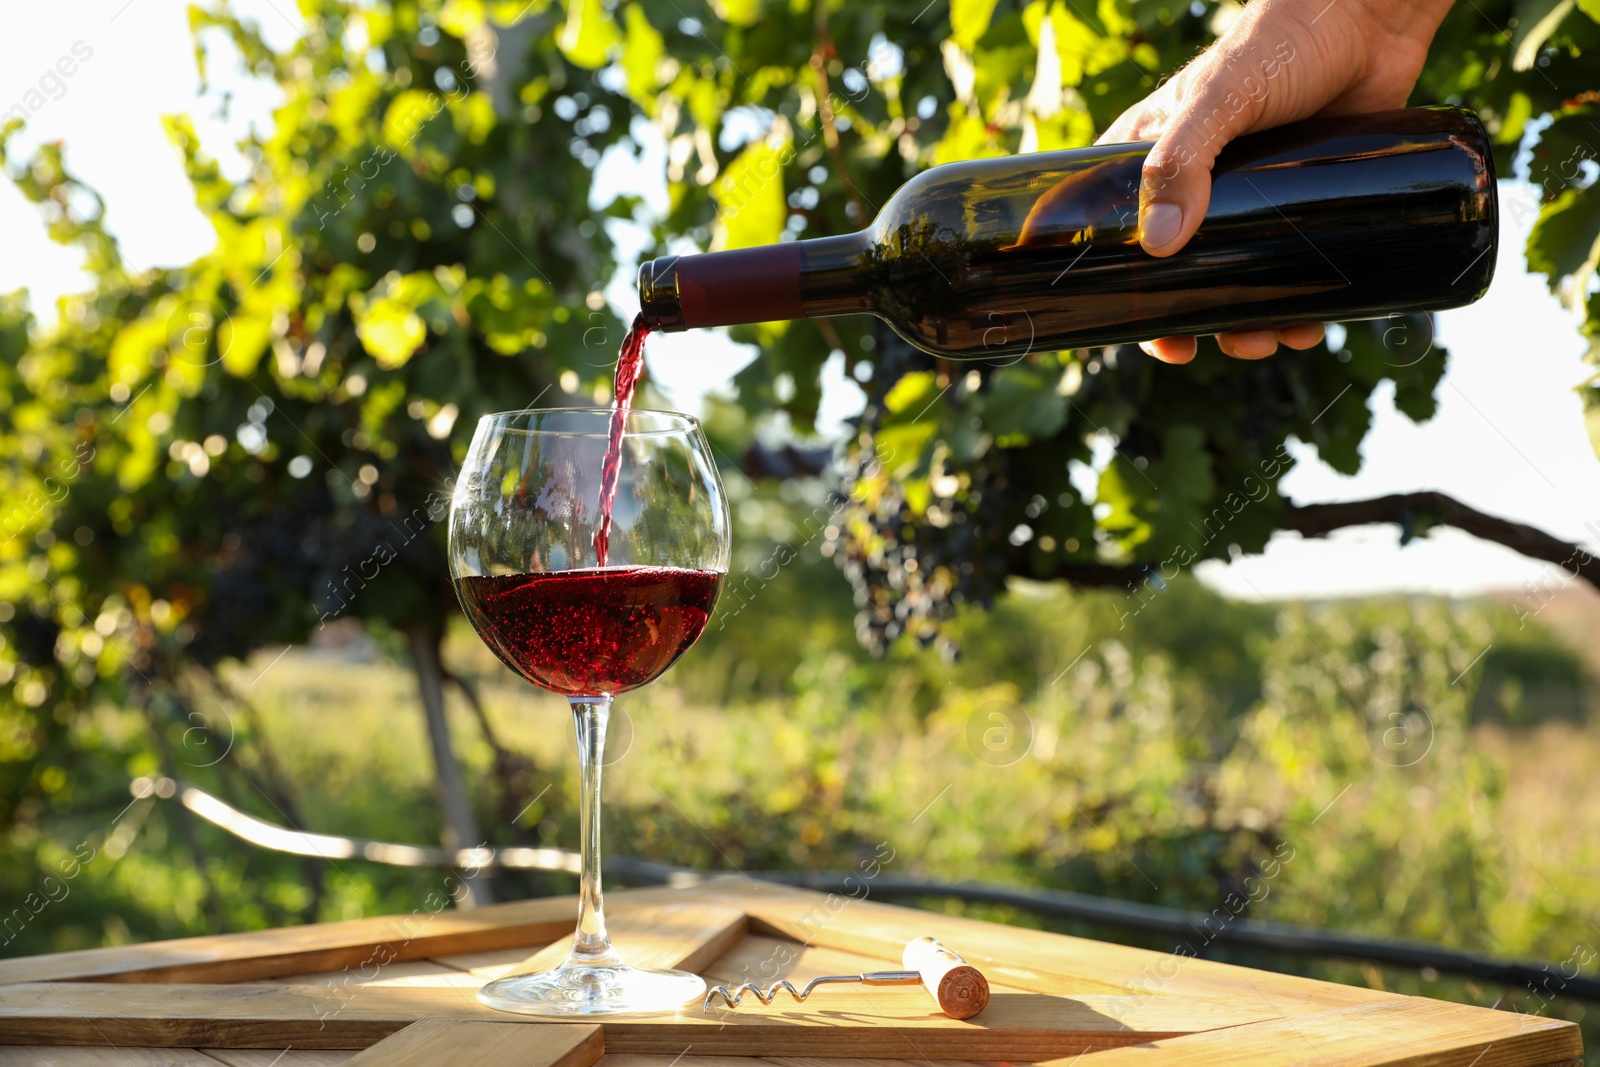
[222, 563]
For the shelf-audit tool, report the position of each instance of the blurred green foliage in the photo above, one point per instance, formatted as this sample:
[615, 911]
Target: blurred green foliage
[205, 465]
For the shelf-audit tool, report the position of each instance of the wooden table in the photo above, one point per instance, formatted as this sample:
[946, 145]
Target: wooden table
[401, 988]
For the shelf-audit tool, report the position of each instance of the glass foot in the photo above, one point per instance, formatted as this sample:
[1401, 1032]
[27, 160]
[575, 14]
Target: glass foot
[593, 990]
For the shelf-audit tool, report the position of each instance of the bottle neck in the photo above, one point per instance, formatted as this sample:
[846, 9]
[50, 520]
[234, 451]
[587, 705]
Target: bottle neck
[791, 280]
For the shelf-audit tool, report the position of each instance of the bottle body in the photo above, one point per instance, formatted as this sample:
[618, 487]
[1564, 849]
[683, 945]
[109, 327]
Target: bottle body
[1346, 218]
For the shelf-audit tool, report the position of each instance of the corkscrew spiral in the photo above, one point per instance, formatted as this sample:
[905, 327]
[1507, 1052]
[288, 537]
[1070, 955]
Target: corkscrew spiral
[959, 989]
[732, 997]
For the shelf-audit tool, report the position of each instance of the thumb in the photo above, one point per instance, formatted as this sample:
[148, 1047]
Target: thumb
[1175, 186]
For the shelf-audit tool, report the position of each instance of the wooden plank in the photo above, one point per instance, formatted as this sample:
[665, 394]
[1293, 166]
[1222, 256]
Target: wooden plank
[486, 965]
[355, 943]
[294, 1057]
[400, 972]
[803, 1061]
[1029, 959]
[40, 1056]
[437, 1044]
[687, 936]
[1015, 1027]
[1410, 1032]
[304, 949]
[686, 1058]
[902, 1023]
[690, 1059]
[220, 1016]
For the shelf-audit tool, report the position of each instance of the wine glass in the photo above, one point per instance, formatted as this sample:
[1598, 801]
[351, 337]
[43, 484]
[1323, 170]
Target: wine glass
[589, 624]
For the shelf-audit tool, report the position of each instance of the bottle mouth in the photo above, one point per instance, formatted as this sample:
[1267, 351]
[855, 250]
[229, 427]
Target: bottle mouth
[659, 305]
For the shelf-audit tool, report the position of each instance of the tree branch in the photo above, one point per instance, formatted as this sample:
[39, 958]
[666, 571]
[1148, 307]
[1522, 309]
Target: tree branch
[762, 462]
[1410, 511]
[823, 52]
[1429, 508]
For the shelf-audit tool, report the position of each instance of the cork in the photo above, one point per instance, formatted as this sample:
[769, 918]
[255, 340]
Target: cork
[960, 989]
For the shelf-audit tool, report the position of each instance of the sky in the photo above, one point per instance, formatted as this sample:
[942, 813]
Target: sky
[1508, 438]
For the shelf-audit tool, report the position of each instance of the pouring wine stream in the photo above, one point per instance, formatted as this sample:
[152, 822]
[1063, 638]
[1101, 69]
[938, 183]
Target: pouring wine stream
[630, 361]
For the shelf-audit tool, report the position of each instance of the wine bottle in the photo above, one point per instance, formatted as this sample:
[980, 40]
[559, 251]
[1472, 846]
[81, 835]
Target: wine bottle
[1342, 218]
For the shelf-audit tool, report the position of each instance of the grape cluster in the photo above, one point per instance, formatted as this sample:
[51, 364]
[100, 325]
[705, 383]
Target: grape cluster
[911, 570]
[909, 573]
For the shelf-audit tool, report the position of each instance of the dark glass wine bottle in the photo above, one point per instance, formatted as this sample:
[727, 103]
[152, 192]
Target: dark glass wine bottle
[1328, 219]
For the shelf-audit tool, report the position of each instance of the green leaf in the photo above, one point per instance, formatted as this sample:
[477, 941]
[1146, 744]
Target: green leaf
[968, 137]
[1565, 241]
[642, 56]
[408, 114]
[913, 391]
[1558, 160]
[131, 349]
[1178, 513]
[389, 319]
[391, 332]
[1403, 349]
[242, 339]
[749, 195]
[1515, 120]
[916, 406]
[1338, 431]
[589, 35]
[1076, 45]
[1591, 415]
[737, 12]
[1126, 493]
[1536, 21]
[461, 17]
[968, 21]
[1022, 404]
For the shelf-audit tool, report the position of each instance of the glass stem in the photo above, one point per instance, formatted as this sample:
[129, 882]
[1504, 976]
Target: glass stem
[591, 944]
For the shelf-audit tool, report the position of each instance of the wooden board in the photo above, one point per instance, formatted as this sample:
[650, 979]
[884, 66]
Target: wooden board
[687, 936]
[405, 991]
[428, 1043]
[875, 1023]
[288, 1057]
[66, 1056]
[304, 949]
[1411, 1030]
[1028, 959]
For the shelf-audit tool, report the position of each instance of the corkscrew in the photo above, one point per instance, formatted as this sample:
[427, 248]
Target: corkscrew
[960, 989]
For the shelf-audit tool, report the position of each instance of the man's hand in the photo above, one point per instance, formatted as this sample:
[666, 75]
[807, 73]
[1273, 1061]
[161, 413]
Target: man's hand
[1280, 61]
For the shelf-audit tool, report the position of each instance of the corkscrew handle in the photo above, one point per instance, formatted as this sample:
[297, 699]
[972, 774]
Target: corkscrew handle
[960, 989]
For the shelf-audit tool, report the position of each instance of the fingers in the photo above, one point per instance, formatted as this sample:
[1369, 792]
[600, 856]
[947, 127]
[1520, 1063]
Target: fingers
[1141, 122]
[1302, 335]
[1248, 344]
[1240, 344]
[1259, 344]
[1176, 183]
[1170, 349]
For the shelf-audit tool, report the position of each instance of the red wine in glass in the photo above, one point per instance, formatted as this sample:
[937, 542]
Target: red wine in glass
[592, 632]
